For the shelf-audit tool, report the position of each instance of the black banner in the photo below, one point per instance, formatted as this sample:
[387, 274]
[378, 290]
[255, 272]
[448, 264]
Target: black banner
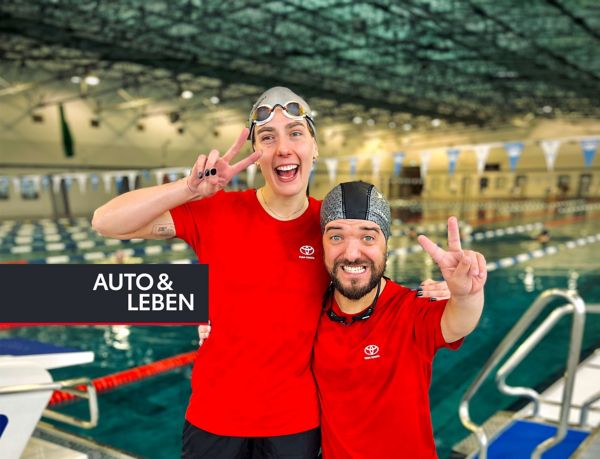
[104, 294]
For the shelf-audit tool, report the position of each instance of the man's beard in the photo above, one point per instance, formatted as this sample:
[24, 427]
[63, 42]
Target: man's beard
[354, 291]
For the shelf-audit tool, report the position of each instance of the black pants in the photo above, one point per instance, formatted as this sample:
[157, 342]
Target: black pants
[198, 443]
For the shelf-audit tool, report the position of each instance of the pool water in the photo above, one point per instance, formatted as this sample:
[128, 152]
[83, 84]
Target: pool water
[146, 417]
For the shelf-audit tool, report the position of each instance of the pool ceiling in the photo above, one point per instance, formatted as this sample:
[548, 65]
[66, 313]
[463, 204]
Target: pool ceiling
[473, 62]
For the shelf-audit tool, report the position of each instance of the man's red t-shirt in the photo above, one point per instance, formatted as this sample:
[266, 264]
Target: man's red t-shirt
[252, 377]
[374, 376]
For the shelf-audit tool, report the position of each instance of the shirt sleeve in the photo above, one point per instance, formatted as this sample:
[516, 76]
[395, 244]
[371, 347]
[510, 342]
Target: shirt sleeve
[428, 327]
[183, 218]
[190, 217]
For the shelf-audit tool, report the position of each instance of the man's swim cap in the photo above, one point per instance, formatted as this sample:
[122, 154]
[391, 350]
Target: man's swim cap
[359, 201]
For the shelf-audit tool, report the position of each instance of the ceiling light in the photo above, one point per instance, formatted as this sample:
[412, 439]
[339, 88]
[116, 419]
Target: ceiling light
[215, 100]
[92, 80]
[187, 94]
[357, 120]
[371, 122]
[436, 122]
[392, 125]
[75, 79]
[407, 126]
[315, 113]
[547, 109]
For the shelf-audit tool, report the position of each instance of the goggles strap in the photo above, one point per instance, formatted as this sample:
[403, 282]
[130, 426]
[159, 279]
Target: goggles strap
[344, 320]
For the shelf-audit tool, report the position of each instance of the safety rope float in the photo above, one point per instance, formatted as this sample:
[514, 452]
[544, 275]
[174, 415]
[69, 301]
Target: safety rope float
[129, 376]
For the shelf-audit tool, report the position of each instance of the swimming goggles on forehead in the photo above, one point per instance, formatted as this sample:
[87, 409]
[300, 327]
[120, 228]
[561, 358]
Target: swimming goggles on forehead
[265, 113]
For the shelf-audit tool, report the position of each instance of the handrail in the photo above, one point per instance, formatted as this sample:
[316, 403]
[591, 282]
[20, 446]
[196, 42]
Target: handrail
[68, 385]
[522, 351]
[508, 342]
[585, 408]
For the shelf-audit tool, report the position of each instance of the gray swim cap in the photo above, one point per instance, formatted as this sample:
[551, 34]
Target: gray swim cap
[356, 200]
[280, 96]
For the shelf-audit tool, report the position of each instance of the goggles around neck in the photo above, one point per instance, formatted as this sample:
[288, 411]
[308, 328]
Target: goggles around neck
[348, 320]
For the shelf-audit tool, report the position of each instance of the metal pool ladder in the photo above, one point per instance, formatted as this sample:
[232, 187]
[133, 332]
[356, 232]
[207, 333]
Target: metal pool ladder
[576, 306]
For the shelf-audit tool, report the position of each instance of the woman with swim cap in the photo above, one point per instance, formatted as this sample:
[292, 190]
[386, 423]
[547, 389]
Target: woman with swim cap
[252, 387]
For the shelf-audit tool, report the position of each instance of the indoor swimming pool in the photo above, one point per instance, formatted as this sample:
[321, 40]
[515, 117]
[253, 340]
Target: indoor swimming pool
[146, 417]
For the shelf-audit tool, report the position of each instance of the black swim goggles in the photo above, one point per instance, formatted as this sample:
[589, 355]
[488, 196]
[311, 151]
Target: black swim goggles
[344, 320]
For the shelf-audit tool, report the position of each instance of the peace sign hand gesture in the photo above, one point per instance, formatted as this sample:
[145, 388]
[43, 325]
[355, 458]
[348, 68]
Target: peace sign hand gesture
[464, 270]
[213, 172]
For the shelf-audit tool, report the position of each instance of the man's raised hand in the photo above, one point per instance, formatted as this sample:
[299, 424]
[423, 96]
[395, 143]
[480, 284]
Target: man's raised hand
[213, 172]
[464, 270]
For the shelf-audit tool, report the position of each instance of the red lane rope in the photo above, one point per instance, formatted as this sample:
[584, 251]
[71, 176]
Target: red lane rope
[129, 376]
[575, 218]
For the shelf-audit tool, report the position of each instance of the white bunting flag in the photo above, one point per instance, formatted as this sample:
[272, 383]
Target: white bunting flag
[131, 176]
[107, 179]
[376, 166]
[160, 175]
[550, 148]
[424, 166]
[17, 185]
[332, 164]
[82, 181]
[56, 183]
[481, 153]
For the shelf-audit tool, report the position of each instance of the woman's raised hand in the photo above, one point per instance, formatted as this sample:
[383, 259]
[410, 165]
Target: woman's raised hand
[213, 172]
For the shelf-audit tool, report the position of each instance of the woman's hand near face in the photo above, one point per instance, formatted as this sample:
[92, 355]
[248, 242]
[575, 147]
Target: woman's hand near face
[212, 172]
[437, 290]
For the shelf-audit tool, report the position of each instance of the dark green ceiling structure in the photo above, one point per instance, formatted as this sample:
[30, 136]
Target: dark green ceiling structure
[474, 62]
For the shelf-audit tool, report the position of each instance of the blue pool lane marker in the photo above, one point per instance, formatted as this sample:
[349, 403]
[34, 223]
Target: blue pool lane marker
[539, 253]
[490, 234]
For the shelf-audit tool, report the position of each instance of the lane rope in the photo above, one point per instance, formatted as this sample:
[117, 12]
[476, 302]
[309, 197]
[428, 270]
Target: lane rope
[539, 253]
[131, 375]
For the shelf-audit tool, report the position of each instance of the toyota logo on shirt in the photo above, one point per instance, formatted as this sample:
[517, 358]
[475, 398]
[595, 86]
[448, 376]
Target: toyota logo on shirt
[371, 352]
[307, 250]
[371, 349]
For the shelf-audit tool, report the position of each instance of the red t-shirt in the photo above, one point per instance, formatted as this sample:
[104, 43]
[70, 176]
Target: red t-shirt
[374, 376]
[252, 377]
